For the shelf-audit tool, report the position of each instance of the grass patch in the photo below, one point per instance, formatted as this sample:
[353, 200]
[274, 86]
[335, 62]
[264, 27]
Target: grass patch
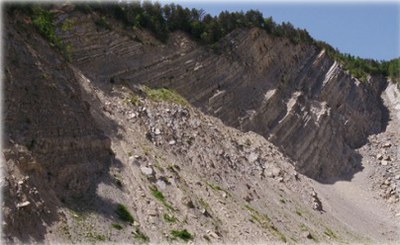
[303, 227]
[170, 218]
[159, 196]
[163, 94]
[204, 204]
[173, 168]
[279, 234]
[146, 150]
[282, 201]
[95, 237]
[330, 233]
[214, 187]
[124, 214]
[117, 226]
[250, 209]
[139, 235]
[299, 213]
[68, 25]
[134, 100]
[100, 237]
[265, 222]
[182, 234]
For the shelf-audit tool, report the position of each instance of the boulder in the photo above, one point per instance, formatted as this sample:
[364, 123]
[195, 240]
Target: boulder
[147, 171]
[161, 184]
[23, 204]
[387, 145]
[384, 162]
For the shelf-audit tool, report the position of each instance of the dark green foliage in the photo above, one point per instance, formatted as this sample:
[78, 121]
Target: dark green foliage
[161, 20]
[358, 67]
[141, 236]
[42, 19]
[183, 234]
[44, 22]
[124, 214]
[159, 196]
[393, 69]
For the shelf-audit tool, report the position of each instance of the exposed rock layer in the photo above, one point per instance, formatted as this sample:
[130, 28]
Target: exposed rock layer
[292, 94]
[78, 142]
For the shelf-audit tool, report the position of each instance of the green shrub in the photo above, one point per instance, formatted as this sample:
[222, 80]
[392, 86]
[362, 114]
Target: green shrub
[134, 100]
[124, 214]
[163, 94]
[183, 234]
[117, 226]
[159, 196]
[100, 237]
[330, 233]
[170, 218]
[43, 20]
[141, 236]
[68, 25]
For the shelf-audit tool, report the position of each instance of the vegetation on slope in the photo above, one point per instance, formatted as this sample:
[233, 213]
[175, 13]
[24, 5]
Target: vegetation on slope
[43, 20]
[124, 214]
[207, 29]
[163, 94]
[161, 20]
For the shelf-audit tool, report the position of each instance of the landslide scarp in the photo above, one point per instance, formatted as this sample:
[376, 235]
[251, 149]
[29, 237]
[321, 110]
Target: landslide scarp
[94, 156]
[293, 94]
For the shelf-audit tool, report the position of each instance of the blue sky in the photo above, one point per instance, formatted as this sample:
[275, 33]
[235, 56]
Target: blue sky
[365, 29]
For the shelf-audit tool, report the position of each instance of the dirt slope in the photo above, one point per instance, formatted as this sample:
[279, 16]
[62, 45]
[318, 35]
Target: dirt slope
[356, 202]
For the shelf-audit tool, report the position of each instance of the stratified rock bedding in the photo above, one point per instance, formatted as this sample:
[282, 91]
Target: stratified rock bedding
[91, 156]
[292, 94]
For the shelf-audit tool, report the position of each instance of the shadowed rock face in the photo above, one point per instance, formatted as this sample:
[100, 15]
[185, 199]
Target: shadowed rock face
[292, 94]
[46, 115]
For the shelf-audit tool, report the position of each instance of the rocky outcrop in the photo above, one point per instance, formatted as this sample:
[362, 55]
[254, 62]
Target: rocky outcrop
[292, 94]
[91, 157]
[46, 116]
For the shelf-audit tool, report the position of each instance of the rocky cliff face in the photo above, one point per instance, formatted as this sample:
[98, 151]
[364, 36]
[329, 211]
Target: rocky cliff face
[82, 138]
[51, 141]
[292, 94]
